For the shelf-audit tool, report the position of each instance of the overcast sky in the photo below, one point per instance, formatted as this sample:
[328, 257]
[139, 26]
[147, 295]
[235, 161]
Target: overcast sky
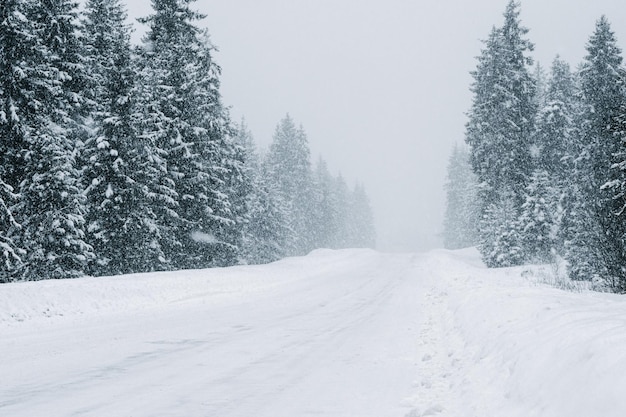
[380, 86]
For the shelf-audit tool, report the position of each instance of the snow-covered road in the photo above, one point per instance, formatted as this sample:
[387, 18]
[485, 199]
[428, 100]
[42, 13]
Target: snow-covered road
[349, 333]
[330, 335]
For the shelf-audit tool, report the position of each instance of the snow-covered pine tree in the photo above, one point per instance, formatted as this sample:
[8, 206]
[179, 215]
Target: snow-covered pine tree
[324, 213]
[460, 225]
[268, 233]
[363, 230]
[242, 188]
[17, 108]
[188, 124]
[289, 167]
[537, 219]
[481, 130]
[18, 46]
[500, 127]
[10, 255]
[52, 205]
[118, 172]
[553, 141]
[258, 227]
[501, 244]
[554, 153]
[342, 235]
[580, 229]
[603, 97]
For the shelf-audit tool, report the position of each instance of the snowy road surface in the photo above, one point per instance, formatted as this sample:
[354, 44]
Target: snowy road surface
[348, 333]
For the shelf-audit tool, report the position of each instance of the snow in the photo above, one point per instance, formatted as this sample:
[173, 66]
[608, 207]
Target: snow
[336, 333]
[201, 237]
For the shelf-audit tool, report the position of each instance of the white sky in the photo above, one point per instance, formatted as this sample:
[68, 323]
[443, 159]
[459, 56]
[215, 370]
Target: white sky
[380, 86]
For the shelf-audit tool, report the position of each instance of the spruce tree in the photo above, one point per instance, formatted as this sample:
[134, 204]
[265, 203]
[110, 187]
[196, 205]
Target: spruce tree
[603, 97]
[537, 219]
[52, 205]
[501, 235]
[18, 107]
[10, 254]
[343, 229]
[267, 233]
[500, 129]
[289, 167]
[190, 129]
[324, 214]
[362, 219]
[118, 171]
[554, 147]
[265, 229]
[554, 155]
[460, 226]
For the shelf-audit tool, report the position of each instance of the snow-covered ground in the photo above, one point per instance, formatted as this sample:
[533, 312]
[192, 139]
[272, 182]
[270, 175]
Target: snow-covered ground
[337, 333]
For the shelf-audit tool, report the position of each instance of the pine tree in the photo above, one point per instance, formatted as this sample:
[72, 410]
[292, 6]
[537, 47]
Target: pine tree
[554, 151]
[501, 236]
[324, 213]
[500, 129]
[190, 129]
[244, 190]
[502, 116]
[343, 232]
[268, 232]
[265, 229]
[537, 220]
[10, 255]
[484, 118]
[462, 211]
[603, 96]
[118, 171]
[553, 142]
[52, 206]
[289, 167]
[18, 107]
[361, 219]
[581, 229]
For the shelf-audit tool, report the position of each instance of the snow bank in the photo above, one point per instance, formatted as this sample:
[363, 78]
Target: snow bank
[503, 345]
[87, 297]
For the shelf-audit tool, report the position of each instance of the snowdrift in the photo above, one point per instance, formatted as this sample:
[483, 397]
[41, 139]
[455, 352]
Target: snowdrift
[63, 300]
[506, 345]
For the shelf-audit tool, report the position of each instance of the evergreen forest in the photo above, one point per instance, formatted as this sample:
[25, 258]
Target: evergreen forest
[542, 175]
[119, 159]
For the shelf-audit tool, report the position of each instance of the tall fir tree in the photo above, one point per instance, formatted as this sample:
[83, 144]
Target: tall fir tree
[460, 226]
[343, 232]
[603, 96]
[10, 255]
[264, 230]
[289, 166]
[537, 218]
[118, 171]
[52, 205]
[549, 196]
[363, 230]
[553, 148]
[324, 213]
[501, 235]
[500, 128]
[19, 104]
[190, 129]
